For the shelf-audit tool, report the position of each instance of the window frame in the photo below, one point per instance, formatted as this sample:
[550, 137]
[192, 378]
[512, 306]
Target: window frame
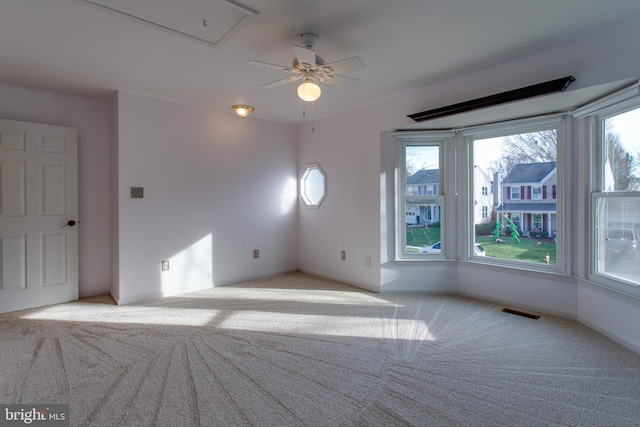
[595, 114]
[308, 169]
[502, 129]
[537, 187]
[512, 193]
[433, 139]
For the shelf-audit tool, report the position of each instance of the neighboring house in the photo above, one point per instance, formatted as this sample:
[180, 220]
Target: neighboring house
[529, 196]
[483, 197]
[425, 182]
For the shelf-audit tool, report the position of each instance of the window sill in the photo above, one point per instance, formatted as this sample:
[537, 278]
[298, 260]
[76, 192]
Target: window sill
[522, 270]
[432, 261]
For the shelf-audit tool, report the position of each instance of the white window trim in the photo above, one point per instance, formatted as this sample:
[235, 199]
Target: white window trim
[420, 139]
[532, 124]
[305, 199]
[595, 113]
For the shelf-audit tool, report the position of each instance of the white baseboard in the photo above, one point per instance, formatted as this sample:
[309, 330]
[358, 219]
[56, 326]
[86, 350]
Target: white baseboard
[335, 279]
[611, 334]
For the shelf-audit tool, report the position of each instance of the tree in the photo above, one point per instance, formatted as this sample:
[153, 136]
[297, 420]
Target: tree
[533, 147]
[619, 160]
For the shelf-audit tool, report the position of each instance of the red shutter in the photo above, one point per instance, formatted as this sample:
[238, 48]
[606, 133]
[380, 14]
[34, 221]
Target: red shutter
[544, 192]
[554, 191]
[529, 192]
[508, 193]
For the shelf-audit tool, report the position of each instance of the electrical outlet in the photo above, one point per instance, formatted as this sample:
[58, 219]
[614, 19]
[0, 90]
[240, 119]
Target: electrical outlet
[165, 265]
[343, 255]
[137, 192]
[367, 261]
[256, 253]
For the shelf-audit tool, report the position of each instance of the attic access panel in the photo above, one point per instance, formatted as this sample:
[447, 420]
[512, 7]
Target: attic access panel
[208, 21]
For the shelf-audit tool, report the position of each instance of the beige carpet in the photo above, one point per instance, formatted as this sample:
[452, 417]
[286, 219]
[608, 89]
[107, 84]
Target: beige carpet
[296, 350]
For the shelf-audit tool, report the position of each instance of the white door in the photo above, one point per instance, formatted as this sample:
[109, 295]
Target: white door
[38, 214]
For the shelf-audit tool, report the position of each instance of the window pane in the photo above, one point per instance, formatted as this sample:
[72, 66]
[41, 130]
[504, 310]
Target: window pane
[622, 152]
[421, 201]
[312, 189]
[423, 226]
[617, 237]
[521, 171]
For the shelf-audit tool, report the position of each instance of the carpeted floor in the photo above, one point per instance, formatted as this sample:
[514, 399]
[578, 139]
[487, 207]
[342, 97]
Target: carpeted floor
[296, 350]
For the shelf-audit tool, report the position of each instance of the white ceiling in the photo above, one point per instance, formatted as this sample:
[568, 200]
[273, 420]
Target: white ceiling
[66, 46]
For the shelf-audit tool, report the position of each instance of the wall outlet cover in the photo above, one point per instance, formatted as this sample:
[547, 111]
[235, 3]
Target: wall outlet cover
[137, 192]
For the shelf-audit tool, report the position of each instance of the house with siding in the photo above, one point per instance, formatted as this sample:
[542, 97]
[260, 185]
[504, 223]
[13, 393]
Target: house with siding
[483, 197]
[529, 195]
[424, 182]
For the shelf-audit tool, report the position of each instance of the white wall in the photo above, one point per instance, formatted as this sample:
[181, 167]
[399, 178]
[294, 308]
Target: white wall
[216, 187]
[609, 313]
[91, 118]
[354, 150]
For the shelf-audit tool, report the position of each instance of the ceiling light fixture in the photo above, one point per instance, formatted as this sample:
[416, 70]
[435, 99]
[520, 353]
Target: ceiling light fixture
[309, 91]
[243, 110]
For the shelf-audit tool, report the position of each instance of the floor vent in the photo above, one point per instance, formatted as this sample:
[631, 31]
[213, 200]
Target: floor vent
[521, 313]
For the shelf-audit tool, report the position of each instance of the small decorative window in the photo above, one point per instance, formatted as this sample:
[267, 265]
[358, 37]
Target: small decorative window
[312, 186]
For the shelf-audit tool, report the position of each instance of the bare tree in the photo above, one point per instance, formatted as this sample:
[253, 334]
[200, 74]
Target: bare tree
[620, 160]
[533, 147]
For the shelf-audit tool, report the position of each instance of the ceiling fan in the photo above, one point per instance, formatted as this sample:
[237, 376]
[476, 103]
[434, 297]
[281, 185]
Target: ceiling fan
[312, 70]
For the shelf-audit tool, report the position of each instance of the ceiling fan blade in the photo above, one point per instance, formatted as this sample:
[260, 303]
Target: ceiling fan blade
[274, 66]
[282, 81]
[306, 57]
[342, 81]
[344, 65]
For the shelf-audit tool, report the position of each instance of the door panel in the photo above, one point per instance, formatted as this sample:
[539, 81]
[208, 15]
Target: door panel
[38, 196]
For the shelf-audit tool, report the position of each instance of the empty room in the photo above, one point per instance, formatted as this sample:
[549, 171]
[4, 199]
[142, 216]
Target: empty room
[221, 213]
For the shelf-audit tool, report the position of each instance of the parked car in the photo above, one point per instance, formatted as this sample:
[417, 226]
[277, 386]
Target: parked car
[621, 242]
[436, 248]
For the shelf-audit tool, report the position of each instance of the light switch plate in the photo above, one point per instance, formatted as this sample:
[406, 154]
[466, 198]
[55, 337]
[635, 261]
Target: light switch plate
[137, 192]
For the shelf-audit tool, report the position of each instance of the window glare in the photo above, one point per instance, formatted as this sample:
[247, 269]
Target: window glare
[617, 237]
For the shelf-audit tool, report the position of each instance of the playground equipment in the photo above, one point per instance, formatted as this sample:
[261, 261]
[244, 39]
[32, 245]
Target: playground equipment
[512, 226]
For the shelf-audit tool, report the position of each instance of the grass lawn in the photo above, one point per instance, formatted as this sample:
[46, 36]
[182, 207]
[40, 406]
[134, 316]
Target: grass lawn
[528, 249]
[423, 236]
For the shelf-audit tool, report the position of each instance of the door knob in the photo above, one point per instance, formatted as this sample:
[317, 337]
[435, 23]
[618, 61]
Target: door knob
[69, 223]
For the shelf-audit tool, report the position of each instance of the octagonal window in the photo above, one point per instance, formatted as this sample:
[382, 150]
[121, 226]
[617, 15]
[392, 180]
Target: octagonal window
[312, 186]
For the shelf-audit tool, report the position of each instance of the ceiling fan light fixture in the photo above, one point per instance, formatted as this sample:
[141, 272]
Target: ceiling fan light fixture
[309, 91]
[242, 110]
